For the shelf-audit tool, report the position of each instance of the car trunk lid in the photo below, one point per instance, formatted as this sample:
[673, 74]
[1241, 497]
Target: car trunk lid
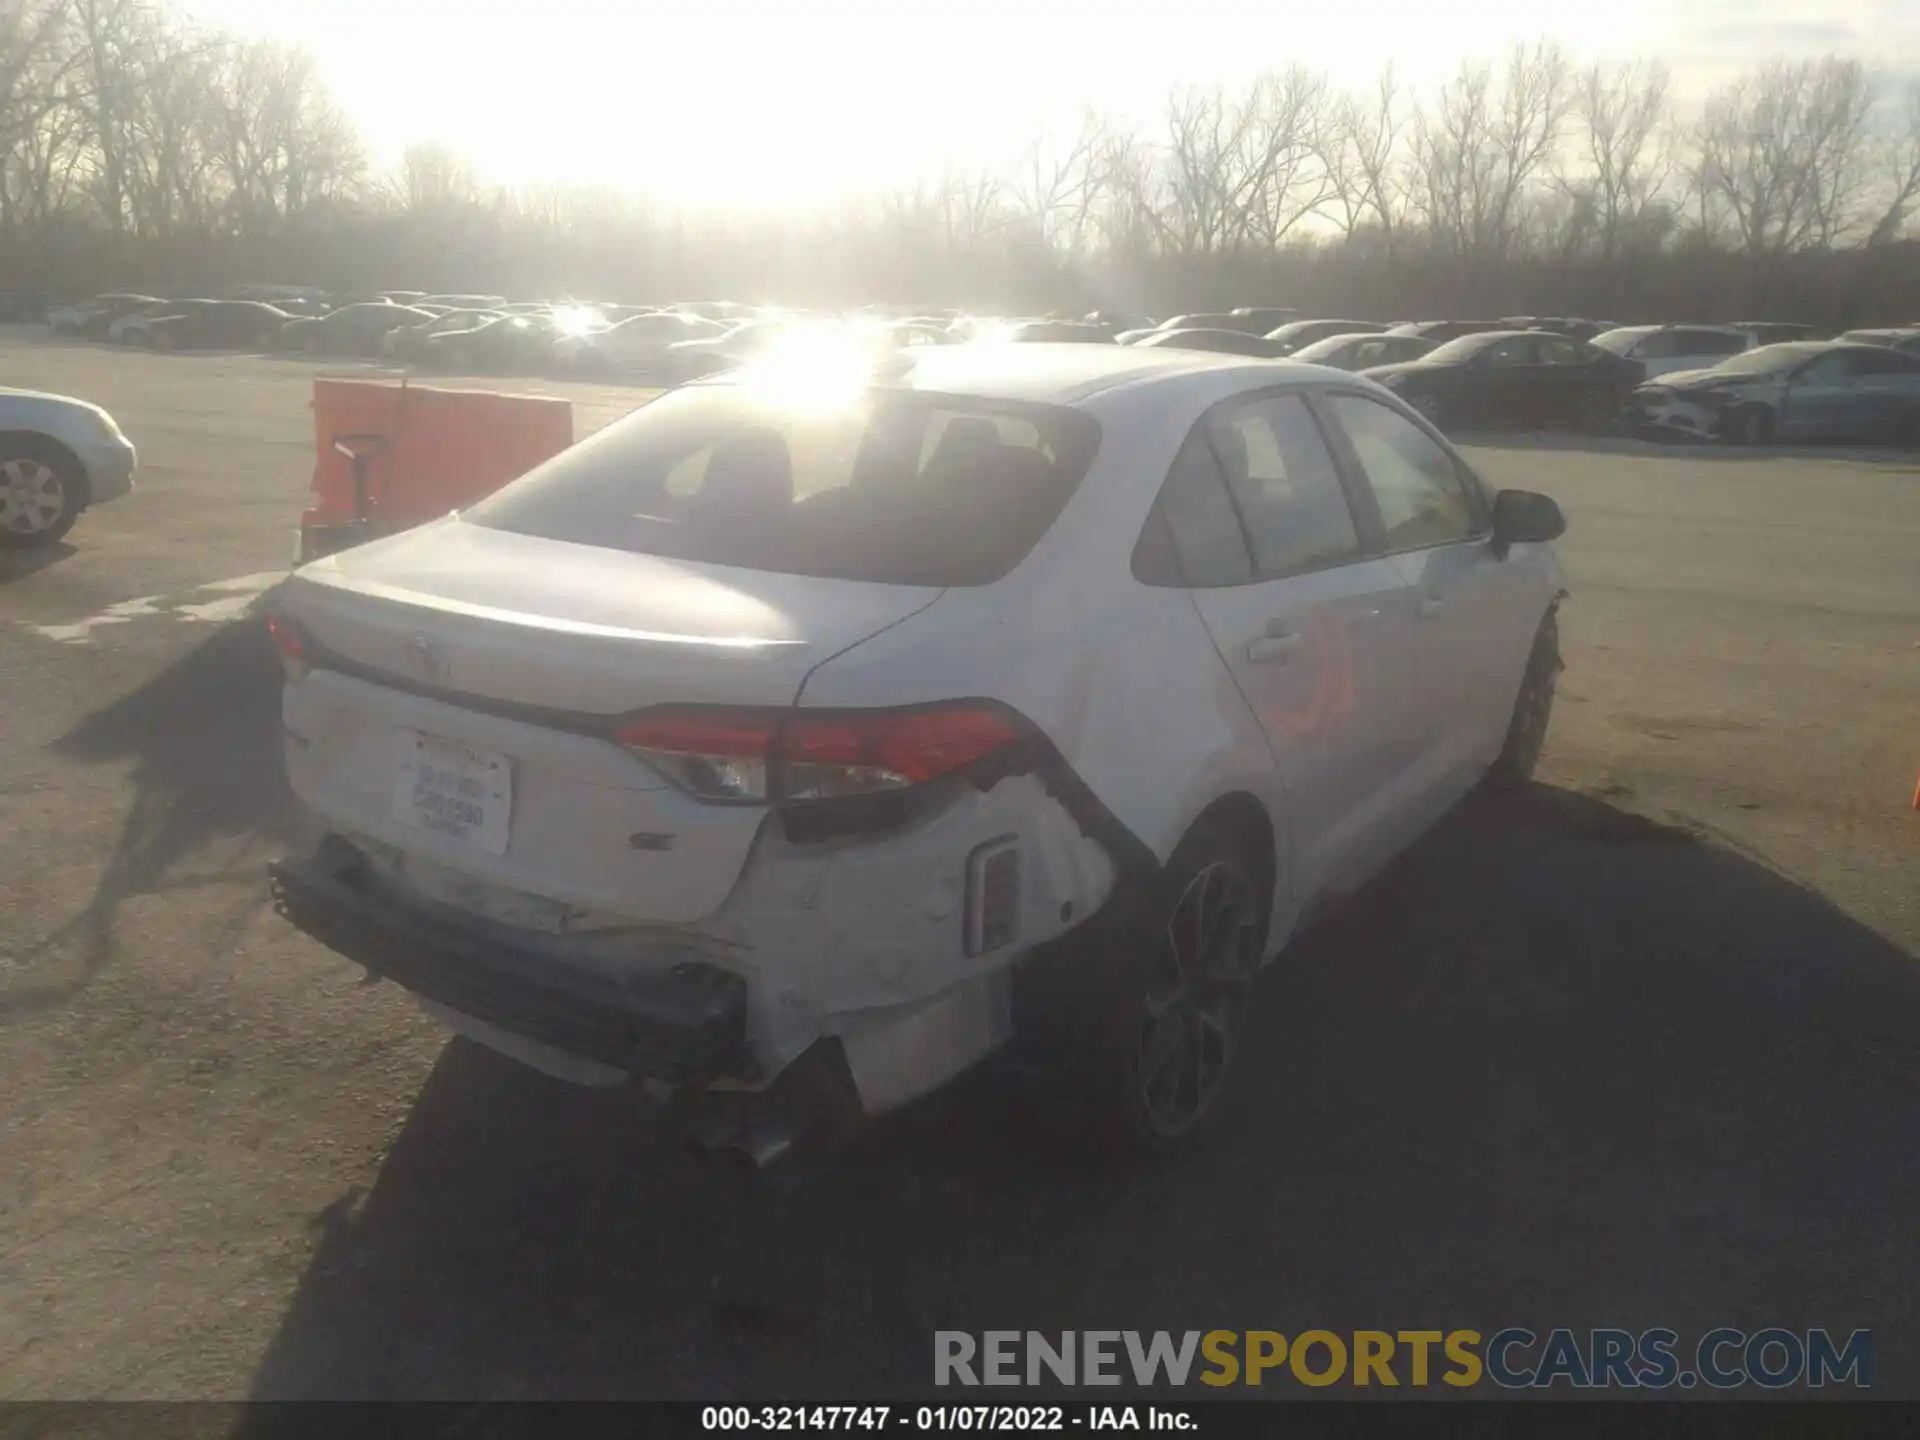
[486, 659]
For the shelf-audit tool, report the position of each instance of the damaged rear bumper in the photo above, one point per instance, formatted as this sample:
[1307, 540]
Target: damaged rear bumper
[880, 954]
[682, 1023]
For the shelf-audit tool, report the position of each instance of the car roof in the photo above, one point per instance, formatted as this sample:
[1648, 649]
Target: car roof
[1060, 374]
[1854, 345]
[1678, 325]
[1354, 337]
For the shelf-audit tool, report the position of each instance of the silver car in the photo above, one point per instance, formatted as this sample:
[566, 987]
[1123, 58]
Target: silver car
[1804, 391]
[58, 456]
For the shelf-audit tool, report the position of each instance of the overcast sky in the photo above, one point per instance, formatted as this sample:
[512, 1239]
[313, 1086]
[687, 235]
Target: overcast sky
[793, 99]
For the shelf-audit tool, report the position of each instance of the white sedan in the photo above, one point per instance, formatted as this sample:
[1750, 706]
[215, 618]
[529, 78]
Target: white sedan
[637, 344]
[58, 456]
[814, 732]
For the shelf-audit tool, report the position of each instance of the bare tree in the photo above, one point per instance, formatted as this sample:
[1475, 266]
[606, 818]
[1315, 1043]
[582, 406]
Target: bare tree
[1284, 155]
[1242, 168]
[1480, 149]
[1784, 151]
[1625, 150]
[37, 118]
[435, 178]
[167, 165]
[973, 208]
[1896, 153]
[1361, 155]
[110, 38]
[131, 140]
[1055, 184]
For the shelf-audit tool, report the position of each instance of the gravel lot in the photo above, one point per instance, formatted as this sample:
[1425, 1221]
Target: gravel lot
[1637, 1049]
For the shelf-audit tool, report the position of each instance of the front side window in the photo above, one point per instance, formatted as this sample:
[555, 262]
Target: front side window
[892, 486]
[1835, 369]
[1423, 498]
[1283, 478]
[1506, 354]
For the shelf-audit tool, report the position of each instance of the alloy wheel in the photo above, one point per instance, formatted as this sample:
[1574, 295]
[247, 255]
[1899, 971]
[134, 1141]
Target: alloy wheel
[1199, 979]
[32, 496]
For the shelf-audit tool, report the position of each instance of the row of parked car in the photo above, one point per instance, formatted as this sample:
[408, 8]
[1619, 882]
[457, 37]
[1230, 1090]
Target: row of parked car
[1746, 382]
[1750, 381]
[456, 332]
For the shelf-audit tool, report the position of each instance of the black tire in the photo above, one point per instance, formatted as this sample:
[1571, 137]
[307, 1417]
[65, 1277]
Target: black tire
[1532, 711]
[1138, 1047]
[1597, 413]
[1907, 433]
[36, 460]
[1751, 425]
[1430, 408]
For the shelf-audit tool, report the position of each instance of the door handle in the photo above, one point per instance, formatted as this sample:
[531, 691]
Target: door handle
[1272, 649]
[1431, 606]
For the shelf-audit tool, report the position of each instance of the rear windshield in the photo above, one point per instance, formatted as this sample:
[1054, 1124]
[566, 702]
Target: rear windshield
[1618, 342]
[1467, 346]
[1767, 359]
[901, 487]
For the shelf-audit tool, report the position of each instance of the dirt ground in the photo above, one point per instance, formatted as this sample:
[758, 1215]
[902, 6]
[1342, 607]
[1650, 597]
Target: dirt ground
[1639, 1048]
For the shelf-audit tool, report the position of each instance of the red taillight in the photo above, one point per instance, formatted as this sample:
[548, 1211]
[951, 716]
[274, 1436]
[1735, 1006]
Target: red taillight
[887, 751]
[291, 644]
[761, 755]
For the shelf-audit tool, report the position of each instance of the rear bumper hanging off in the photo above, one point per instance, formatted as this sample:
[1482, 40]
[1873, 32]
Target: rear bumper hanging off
[682, 1024]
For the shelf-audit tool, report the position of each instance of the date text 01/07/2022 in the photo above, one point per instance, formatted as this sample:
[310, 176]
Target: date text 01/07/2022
[988, 1418]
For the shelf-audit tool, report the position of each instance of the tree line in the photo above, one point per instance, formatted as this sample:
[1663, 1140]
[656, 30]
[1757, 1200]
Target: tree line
[137, 148]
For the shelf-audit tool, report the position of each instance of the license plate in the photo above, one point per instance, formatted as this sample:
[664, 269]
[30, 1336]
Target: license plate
[454, 790]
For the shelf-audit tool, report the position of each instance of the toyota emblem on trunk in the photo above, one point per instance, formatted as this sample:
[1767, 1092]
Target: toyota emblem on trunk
[429, 657]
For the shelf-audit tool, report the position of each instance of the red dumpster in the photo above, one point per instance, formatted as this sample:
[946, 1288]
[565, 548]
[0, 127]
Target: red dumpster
[392, 455]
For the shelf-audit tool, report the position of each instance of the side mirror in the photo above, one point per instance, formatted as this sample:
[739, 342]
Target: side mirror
[1520, 517]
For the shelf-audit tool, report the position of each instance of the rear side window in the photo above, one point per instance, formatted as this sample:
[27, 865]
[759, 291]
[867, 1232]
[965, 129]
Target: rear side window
[1893, 362]
[1708, 342]
[1193, 538]
[898, 487]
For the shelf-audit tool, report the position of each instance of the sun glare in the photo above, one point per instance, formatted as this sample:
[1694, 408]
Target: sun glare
[578, 320]
[821, 368]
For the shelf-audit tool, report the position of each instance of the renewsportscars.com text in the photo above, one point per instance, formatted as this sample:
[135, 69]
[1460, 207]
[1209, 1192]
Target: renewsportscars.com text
[1513, 1358]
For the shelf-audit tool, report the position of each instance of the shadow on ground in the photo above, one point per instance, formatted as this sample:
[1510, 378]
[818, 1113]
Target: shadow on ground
[19, 564]
[1560, 1066]
[203, 738]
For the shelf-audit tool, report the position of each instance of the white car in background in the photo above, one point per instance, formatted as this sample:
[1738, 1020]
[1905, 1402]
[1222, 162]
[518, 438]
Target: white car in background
[117, 328]
[58, 456]
[813, 732]
[637, 344]
[1664, 349]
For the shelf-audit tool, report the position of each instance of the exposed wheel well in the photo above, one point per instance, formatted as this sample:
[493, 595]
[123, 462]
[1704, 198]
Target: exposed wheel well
[17, 442]
[1248, 820]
